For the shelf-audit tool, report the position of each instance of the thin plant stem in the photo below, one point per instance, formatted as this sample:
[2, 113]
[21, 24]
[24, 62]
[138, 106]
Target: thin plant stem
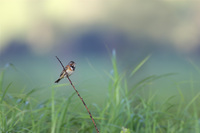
[79, 96]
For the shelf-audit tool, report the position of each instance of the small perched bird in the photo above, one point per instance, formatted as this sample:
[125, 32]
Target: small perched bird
[70, 68]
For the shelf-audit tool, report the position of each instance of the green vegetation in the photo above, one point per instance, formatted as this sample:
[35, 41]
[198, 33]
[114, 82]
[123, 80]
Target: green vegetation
[124, 110]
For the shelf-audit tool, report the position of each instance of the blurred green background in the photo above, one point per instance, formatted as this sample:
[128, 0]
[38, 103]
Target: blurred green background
[33, 32]
[89, 32]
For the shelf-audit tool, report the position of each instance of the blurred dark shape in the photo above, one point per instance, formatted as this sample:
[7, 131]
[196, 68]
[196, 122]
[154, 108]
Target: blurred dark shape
[14, 49]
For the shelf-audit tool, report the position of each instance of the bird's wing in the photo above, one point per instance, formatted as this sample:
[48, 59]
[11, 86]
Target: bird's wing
[62, 73]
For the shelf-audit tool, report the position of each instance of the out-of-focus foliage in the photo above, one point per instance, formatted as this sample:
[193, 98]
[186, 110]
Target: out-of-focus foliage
[42, 24]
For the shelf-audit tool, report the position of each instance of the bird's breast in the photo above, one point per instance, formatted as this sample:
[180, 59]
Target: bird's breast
[69, 72]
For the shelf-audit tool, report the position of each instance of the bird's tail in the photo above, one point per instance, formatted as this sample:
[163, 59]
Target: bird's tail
[57, 80]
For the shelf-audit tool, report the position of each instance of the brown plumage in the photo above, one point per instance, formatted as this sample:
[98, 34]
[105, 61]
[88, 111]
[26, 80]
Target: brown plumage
[70, 68]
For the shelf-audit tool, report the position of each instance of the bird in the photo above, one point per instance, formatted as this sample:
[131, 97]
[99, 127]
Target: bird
[70, 68]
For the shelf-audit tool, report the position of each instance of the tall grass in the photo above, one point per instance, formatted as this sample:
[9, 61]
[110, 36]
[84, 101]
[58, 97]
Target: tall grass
[124, 109]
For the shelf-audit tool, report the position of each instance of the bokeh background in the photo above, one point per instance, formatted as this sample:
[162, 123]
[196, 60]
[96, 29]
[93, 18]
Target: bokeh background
[33, 32]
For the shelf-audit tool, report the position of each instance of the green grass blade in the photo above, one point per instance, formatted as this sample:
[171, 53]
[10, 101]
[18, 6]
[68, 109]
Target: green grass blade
[192, 101]
[4, 93]
[114, 63]
[1, 80]
[53, 117]
[63, 114]
[139, 65]
[149, 79]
